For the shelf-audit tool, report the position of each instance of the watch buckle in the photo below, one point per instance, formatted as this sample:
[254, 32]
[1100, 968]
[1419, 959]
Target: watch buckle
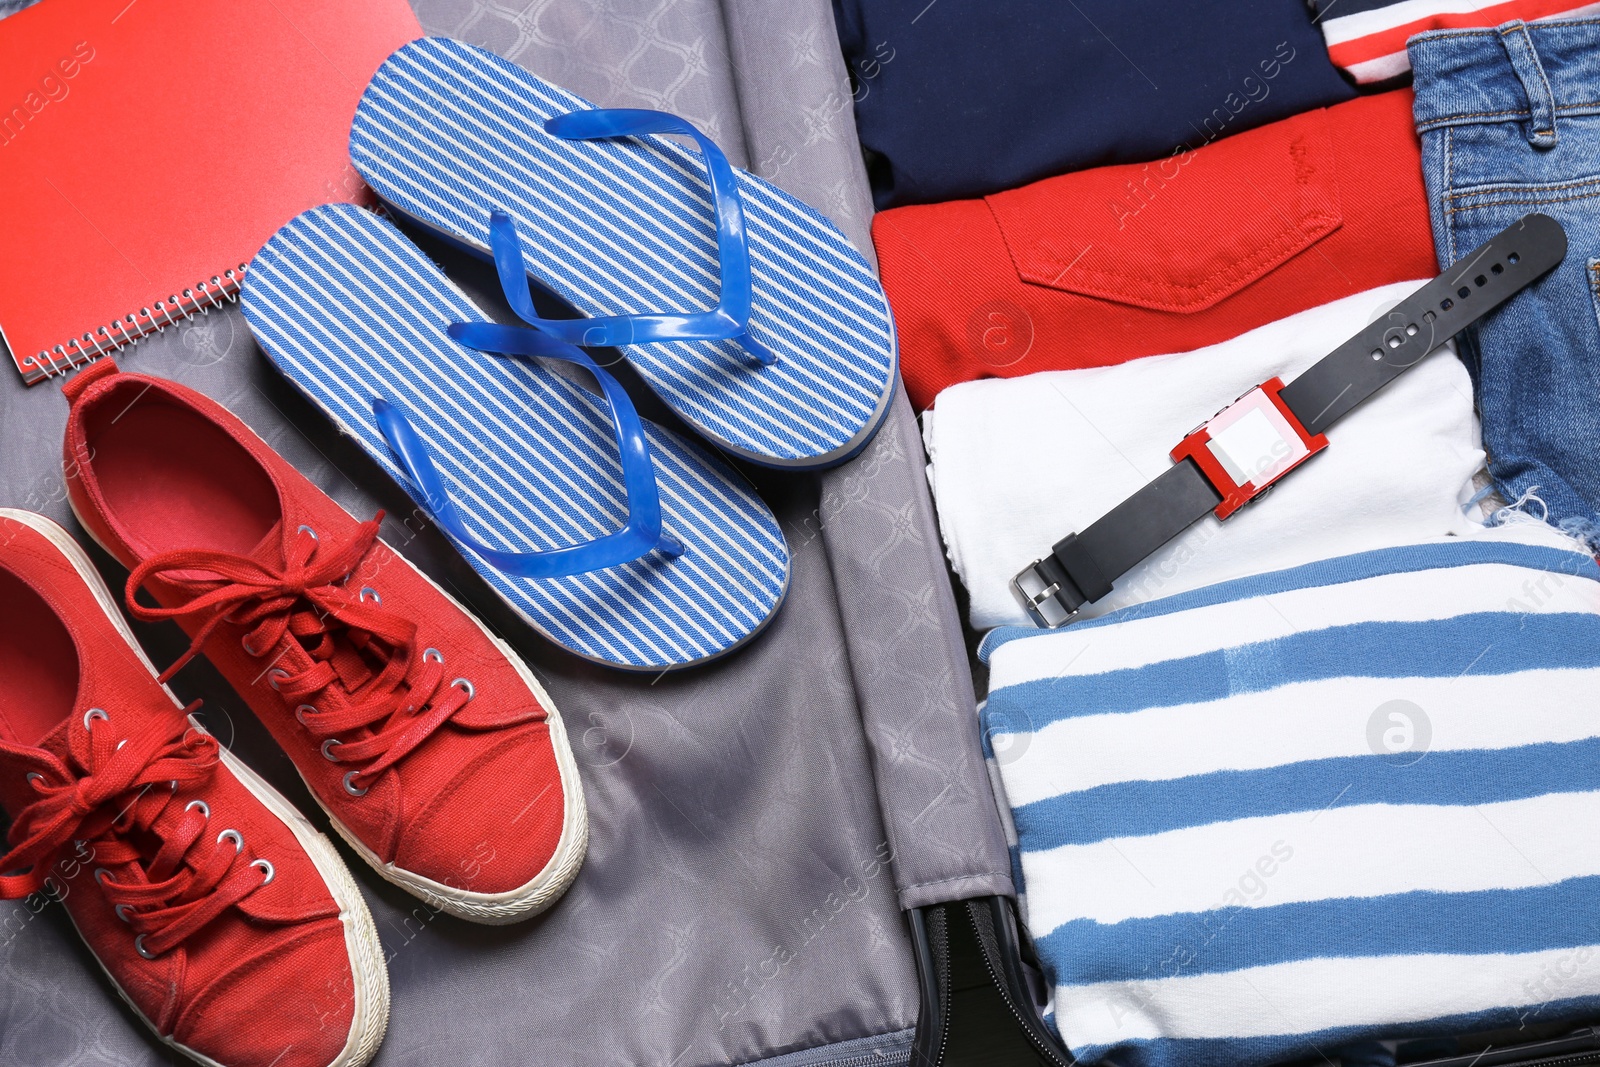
[1037, 593]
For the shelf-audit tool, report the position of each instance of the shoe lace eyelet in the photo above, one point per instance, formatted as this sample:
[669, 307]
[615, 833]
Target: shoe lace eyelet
[103, 876]
[138, 946]
[432, 655]
[275, 676]
[308, 530]
[350, 786]
[466, 687]
[33, 778]
[122, 912]
[368, 593]
[267, 870]
[235, 837]
[327, 749]
[205, 809]
[244, 643]
[92, 714]
[302, 711]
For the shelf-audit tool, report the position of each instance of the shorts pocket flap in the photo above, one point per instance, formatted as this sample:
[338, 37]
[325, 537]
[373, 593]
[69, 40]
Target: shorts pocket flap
[1184, 232]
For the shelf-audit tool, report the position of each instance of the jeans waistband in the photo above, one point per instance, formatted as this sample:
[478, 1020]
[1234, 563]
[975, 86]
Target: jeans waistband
[1537, 71]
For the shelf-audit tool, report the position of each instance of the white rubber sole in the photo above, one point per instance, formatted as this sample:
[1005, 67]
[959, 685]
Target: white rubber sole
[369, 975]
[494, 909]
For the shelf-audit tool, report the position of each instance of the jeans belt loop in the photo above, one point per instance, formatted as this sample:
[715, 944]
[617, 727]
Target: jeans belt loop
[1541, 102]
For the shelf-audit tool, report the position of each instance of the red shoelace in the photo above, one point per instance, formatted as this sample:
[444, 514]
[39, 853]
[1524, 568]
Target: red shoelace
[173, 875]
[366, 682]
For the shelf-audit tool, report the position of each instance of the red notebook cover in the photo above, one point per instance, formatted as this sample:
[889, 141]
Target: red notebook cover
[148, 148]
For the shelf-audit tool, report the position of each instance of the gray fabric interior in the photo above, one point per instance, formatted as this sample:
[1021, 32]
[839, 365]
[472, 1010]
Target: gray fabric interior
[736, 903]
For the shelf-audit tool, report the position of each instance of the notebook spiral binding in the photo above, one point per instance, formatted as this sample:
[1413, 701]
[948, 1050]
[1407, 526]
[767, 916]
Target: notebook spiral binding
[221, 290]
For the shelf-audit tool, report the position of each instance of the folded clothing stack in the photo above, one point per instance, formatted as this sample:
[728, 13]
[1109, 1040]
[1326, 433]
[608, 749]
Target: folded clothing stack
[1367, 38]
[961, 99]
[1107, 265]
[1336, 803]
[1016, 463]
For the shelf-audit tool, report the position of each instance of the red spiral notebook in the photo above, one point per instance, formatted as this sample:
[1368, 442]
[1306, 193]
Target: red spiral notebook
[149, 148]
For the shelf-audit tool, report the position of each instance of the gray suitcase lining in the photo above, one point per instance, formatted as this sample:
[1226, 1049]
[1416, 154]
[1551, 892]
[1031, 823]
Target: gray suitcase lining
[757, 825]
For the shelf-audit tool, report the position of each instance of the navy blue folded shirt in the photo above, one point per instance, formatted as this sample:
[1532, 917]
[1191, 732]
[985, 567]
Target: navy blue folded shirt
[962, 98]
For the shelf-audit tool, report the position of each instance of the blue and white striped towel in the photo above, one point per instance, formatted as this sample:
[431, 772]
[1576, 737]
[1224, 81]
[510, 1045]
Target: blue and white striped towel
[1355, 799]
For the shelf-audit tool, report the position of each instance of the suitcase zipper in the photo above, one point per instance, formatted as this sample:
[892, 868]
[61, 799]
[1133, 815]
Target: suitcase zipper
[1552, 1061]
[1027, 1023]
[939, 936]
[870, 1059]
[1553, 1055]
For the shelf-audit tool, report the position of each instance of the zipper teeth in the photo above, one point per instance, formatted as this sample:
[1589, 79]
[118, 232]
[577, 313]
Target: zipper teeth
[884, 1056]
[866, 1059]
[942, 957]
[1557, 1061]
[1584, 1056]
[983, 950]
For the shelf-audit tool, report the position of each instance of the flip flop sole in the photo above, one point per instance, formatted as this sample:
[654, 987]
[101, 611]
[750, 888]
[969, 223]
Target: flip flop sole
[447, 133]
[348, 310]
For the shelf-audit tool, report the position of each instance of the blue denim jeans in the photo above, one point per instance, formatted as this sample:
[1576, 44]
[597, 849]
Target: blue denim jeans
[1510, 123]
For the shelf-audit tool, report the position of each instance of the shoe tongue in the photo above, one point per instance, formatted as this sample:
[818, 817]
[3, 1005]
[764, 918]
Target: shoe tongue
[17, 761]
[273, 549]
[270, 551]
[56, 741]
[283, 542]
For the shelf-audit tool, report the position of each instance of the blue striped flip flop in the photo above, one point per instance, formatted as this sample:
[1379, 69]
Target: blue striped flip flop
[793, 366]
[519, 467]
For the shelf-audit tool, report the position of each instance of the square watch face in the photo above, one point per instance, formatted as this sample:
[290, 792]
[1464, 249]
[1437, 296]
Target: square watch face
[1253, 441]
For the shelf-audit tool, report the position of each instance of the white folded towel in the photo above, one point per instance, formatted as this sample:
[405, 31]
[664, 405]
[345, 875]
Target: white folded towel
[1016, 464]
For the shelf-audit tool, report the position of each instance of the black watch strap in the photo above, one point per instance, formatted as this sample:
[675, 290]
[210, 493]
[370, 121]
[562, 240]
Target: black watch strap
[1082, 567]
[1486, 278]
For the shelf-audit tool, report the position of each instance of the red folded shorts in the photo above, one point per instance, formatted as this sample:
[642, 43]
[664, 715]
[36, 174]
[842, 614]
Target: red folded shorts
[1106, 265]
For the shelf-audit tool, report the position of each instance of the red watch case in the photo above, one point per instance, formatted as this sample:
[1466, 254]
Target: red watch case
[1245, 448]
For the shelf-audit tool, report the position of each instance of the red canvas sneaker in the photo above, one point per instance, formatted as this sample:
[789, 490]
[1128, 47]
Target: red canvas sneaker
[220, 914]
[429, 743]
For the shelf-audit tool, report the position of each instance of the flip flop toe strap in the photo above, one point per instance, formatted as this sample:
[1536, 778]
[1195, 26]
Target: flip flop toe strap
[730, 319]
[640, 534]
